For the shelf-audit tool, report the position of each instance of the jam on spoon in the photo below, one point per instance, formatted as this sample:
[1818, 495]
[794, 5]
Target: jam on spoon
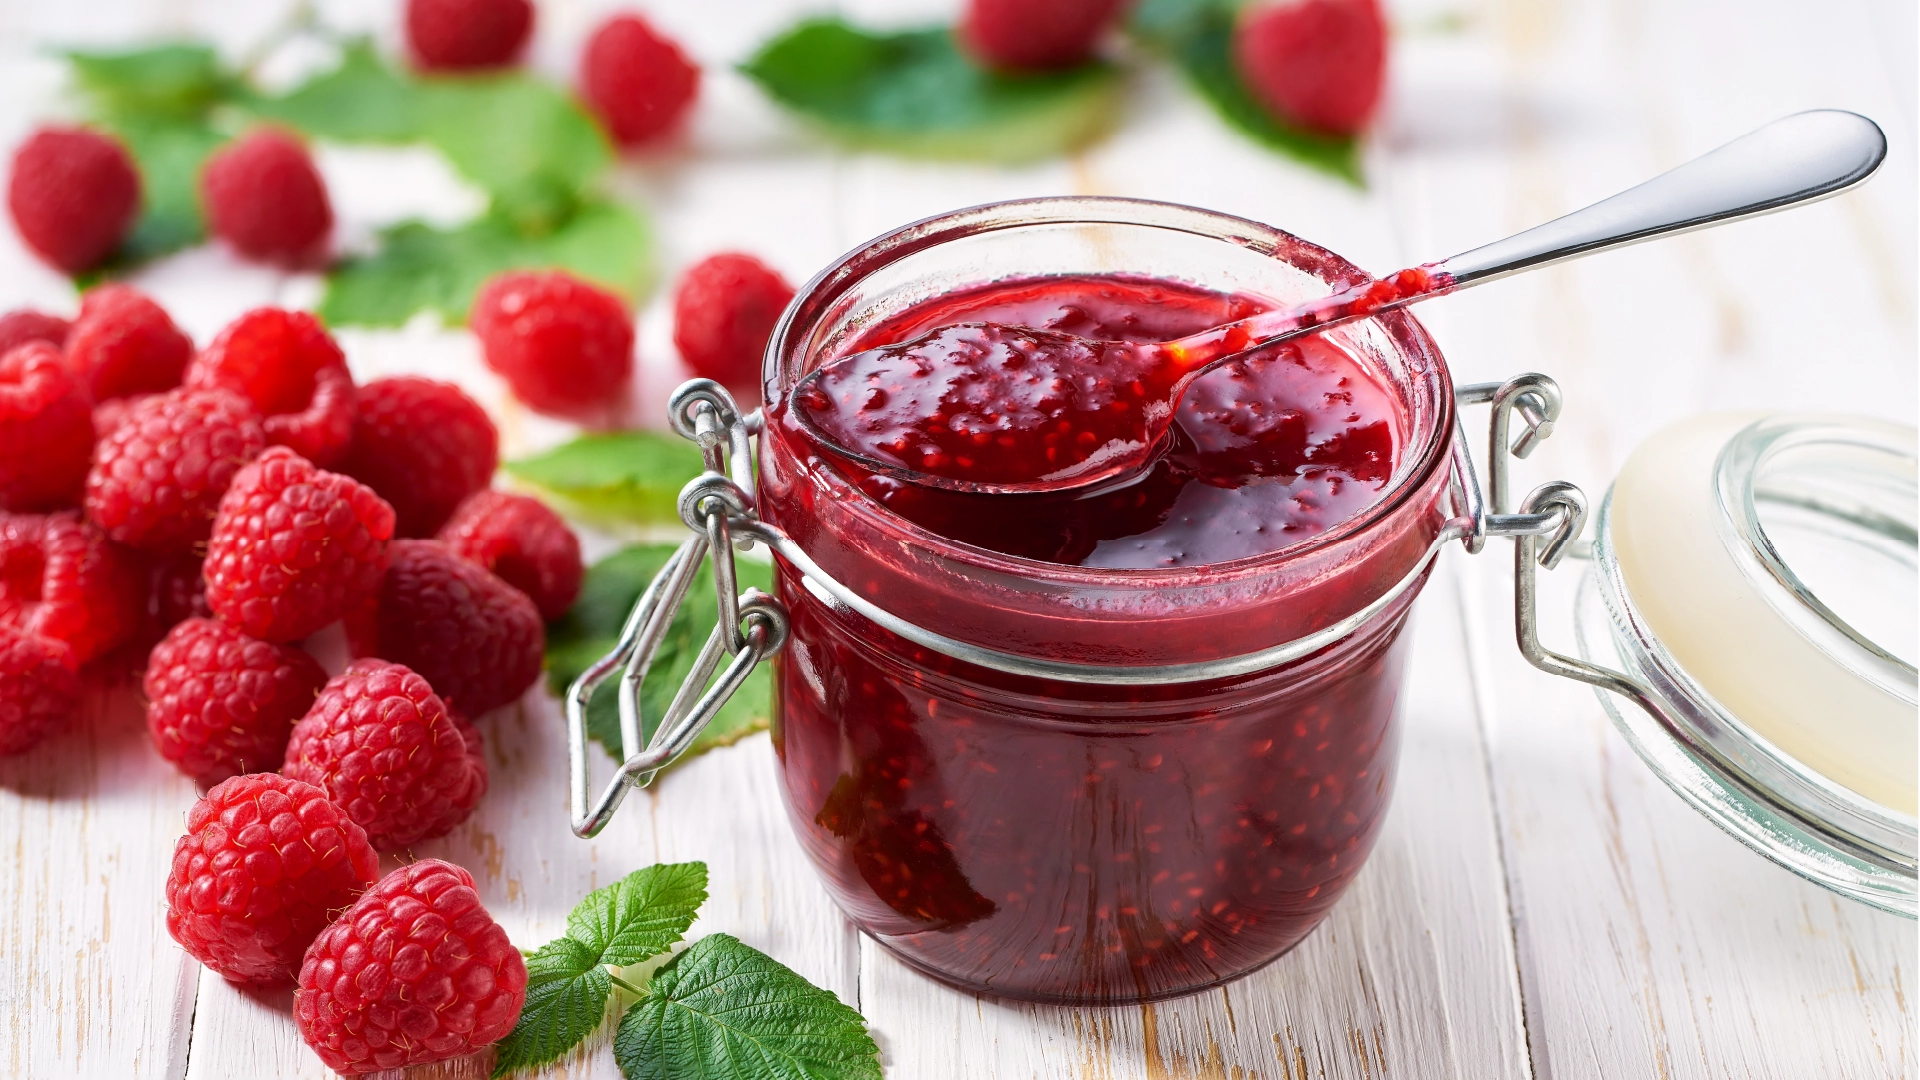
[996, 409]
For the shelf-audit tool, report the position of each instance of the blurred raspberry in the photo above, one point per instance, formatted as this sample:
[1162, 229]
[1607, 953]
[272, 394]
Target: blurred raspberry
[453, 35]
[46, 430]
[524, 543]
[74, 195]
[123, 343]
[294, 547]
[385, 747]
[39, 689]
[723, 313]
[1318, 63]
[61, 577]
[265, 864]
[24, 325]
[477, 639]
[636, 81]
[424, 446]
[220, 703]
[158, 478]
[564, 346]
[416, 972]
[287, 364]
[263, 196]
[1035, 35]
[108, 414]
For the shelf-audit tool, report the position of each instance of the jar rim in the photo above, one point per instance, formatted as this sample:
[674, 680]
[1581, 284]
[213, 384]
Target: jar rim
[815, 301]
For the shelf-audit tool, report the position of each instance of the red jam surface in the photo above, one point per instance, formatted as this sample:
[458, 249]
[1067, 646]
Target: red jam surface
[1095, 843]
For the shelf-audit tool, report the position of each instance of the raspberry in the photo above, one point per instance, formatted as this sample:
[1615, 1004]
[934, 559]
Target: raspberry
[1034, 35]
[637, 82]
[46, 430]
[159, 475]
[108, 414]
[263, 196]
[1318, 63]
[220, 703]
[416, 972]
[477, 639]
[19, 327]
[723, 313]
[564, 346]
[61, 577]
[294, 547]
[287, 364]
[525, 544]
[452, 35]
[423, 445]
[266, 863]
[123, 343]
[74, 195]
[39, 689]
[384, 746]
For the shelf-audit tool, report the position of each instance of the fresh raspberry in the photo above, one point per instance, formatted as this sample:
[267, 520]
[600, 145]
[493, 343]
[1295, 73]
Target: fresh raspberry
[263, 196]
[477, 639]
[266, 863]
[1034, 35]
[423, 445]
[454, 35]
[123, 343]
[158, 477]
[636, 81]
[525, 544]
[385, 747]
[46, 430]
[220, 703]
[1318, 63]
[287, 364]
[723, 313]
[19, 327]
[416, 972]
[74, 195]
[564, 346]
[294, 547]
[39, 689]
[108, 414]
[61, 577]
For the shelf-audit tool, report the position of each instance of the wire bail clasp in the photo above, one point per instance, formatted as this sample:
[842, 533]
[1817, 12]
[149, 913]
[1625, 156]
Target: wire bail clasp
[750, 627]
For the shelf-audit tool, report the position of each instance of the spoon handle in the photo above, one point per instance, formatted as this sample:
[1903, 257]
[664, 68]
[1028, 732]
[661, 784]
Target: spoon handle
[1797, 159]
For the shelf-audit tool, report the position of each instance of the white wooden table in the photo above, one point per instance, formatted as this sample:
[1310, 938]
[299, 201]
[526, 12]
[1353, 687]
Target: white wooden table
[1539, 905]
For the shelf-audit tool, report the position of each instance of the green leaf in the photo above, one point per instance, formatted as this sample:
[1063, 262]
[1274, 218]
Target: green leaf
[634, 919]
[724, 1010]
[421, 268]
[169, 151]
[361, 100]
[181, 79]
[916, 94]
[626, 476]
[592, 628]
[1197, 36]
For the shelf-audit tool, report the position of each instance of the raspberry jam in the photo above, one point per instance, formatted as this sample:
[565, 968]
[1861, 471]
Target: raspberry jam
[1095, 838]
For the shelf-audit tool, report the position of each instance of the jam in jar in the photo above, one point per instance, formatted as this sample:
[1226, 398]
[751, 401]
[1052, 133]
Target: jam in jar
[1155, 812]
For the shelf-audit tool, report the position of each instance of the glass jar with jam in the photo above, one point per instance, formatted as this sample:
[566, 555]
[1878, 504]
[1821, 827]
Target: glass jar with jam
[1116, 746]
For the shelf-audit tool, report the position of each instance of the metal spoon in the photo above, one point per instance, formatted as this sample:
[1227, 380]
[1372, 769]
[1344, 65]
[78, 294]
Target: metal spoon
[982, 382]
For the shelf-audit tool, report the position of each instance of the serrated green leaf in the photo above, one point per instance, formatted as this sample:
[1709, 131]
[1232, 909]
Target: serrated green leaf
[634, 919]
[626, 476]
[169, 151]
[363, 99]
[916, 94]
[591, 629]
[722, 1009]
[1197, 37]
[421, 268]
[181, 79]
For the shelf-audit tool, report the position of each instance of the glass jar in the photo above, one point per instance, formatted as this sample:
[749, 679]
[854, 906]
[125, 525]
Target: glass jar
[1108, 785]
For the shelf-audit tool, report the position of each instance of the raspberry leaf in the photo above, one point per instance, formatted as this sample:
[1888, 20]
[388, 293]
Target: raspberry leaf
[916, 94]
[625, 476]
[169, 152]
[635, 919]
[182, 80]
[722, 1009]
[1197, 37]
